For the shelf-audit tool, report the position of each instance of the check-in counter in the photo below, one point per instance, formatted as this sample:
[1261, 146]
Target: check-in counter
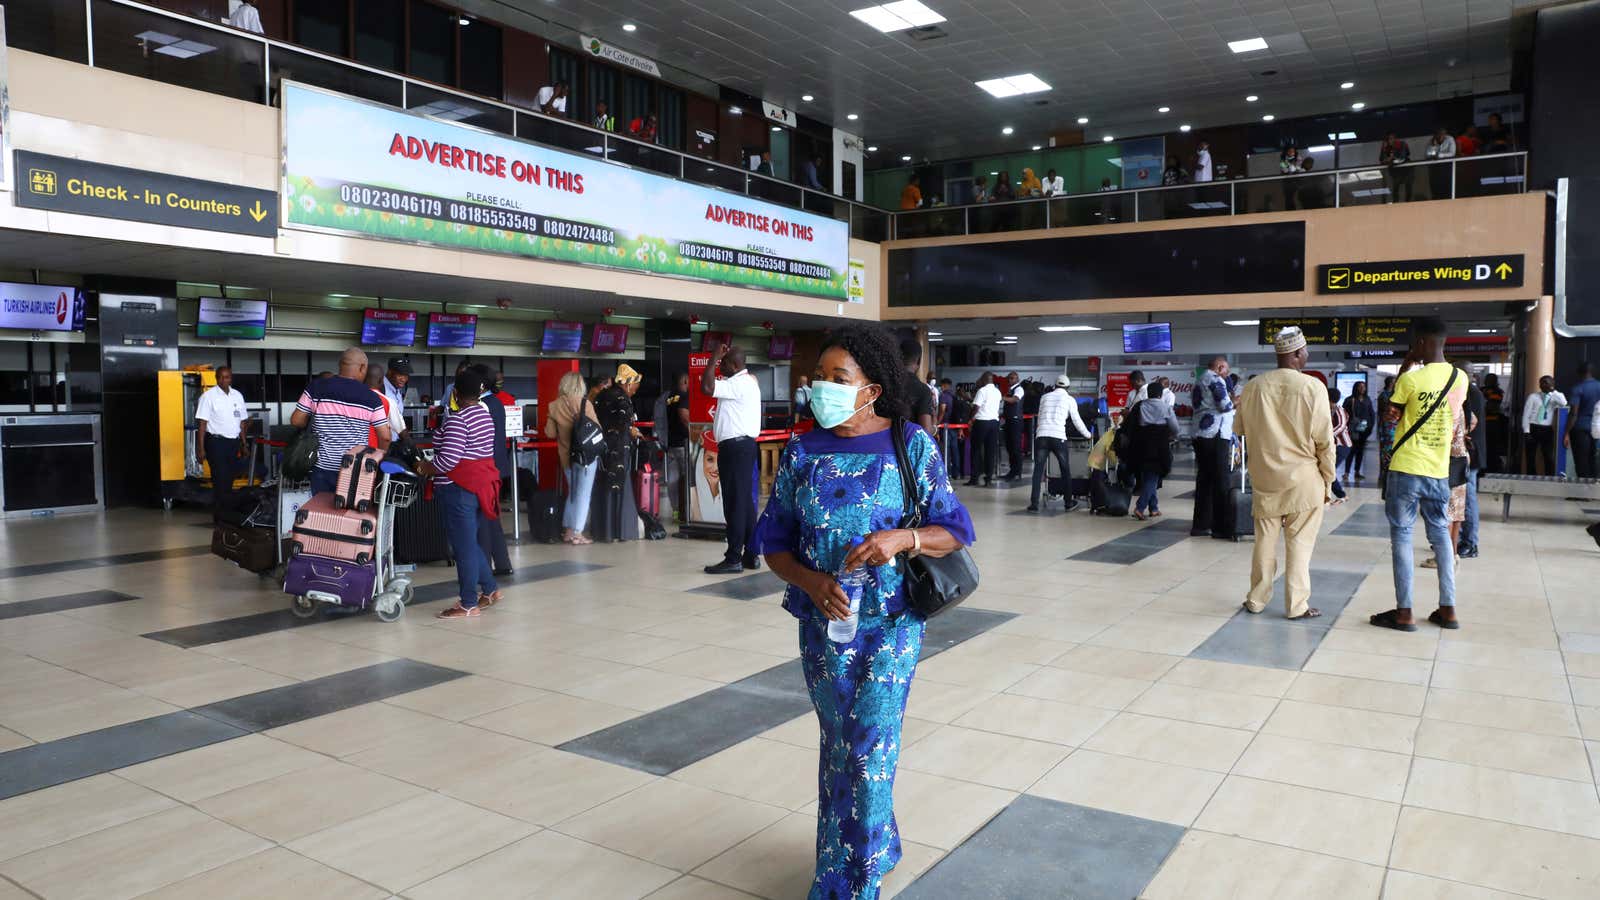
[50, 464]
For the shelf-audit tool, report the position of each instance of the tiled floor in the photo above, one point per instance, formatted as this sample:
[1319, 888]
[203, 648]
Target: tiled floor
[1100, 721]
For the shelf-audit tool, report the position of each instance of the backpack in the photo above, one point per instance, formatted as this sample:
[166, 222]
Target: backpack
[300, 457]
[588, 440]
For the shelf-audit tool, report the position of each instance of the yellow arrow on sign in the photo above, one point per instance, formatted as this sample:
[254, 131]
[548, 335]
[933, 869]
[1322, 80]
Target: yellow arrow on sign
[256, 212]
[1502, 270]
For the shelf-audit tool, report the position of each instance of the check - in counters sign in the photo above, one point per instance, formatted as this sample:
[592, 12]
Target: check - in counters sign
[77, 186]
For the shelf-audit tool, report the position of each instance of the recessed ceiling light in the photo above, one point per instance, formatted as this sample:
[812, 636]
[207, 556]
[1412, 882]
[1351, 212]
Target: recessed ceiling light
[1347, 85]
[629, 26]
[1268, 117]
[994, 173]
[1248, 45]
[1083, 120]
[897, 16]
[906, 158]
[1007, 130]
[1012, 85]
[1108, 139]
[1241, 322]
[935, 334]
[1251, 99]
[806, 98]
[934, 340]
[1056, 328]
[1036, 147]
[873, 149]
[1163, 109]
[1320, 148]
[1358, 106]
[776, 128]
[735, 111]
[463, 20]
[1008, 337]
[852, 116]
[1183, 128]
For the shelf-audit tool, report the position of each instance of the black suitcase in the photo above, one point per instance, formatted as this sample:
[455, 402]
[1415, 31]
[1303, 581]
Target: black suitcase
[1107, 499]
[252, 549]
[419, 535]
[544, 516]
[1239, 516]
[1080, 487]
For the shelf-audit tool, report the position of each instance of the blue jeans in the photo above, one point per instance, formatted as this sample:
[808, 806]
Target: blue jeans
[459, 509]
[324, 481]
[580, 484]
[1148, 482]
[1469, 528]
[1407, 494]
[1341, 455]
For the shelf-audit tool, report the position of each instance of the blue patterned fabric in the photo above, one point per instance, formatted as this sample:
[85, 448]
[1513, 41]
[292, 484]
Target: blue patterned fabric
[828, 490]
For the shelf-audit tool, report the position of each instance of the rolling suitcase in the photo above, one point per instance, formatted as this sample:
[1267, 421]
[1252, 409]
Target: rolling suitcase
[358, 478]
[350, 582]
[1240, 515]
[250, 548]
[321, 529]
[419, 535]
[1105, 498]
[647, 491]
[544, 516]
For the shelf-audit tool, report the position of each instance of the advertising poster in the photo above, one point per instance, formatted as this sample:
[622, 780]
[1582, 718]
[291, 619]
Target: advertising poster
[41, 307]
[389, 327]
[359, 168]
[450, 330]
[700, 405]
[856, 290]
[223, 318]
[1117, 390]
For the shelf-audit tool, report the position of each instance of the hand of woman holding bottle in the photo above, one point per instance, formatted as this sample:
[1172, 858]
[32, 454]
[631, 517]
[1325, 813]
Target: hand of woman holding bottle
[877, 548]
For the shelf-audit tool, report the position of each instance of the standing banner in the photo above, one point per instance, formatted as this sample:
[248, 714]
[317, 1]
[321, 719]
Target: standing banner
[356, 167]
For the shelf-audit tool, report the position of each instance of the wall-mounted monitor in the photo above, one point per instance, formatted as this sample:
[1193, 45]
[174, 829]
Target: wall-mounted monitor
[1155, 337]
[452, 330]
[388, 327]
[40, 307]
[780, 347]
[711, 340]
[609, 339]
[562, 337]
[221, 317]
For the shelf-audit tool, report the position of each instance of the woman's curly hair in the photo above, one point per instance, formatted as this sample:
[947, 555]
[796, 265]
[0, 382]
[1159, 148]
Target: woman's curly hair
[877, 352]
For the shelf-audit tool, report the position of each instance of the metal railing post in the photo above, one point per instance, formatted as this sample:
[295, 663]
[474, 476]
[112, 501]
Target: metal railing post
[966, 220]
[1452, 179]
[1336, 190]
[1233, 198]
[88, 36]
[266, 73]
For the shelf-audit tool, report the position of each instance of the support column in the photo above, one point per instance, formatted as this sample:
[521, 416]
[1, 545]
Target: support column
[1541, 345]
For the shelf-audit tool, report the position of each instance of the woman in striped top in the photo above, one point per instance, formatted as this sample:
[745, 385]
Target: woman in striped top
[467, 485]
[1341, 442]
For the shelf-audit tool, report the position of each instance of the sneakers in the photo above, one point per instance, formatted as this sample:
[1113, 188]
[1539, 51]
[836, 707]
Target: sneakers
[1467, 551]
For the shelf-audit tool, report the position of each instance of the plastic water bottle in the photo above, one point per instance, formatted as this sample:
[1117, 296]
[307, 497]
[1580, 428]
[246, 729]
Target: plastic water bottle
[854, 582]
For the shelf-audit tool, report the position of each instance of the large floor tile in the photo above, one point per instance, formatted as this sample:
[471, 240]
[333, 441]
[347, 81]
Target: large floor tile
[1374, 774]
[1514, 858]
[1231, 678]
[269, 875]
[1533, 800]
[1510, 683]
[941, 812]
[643, 690]
[1040, 720]
[1479, 745]
[1171, 741]
[208, 771]
[1342, 725]
[1358, 693]
[1210, 866]
[540, 785]
[301, 802]
[1400, 885]
[53, 815]
[1133, 787]
[353, 730]
[1117, 662]
[1080, 688]
[1340, 825]
[672, 824]
[548, 866]
[1374, 666]
[761, 770]
[1510, 713]
[778, 862]
[998, 760]
[553, 718]
[692, 887]
[465, 698]
[1229, 710]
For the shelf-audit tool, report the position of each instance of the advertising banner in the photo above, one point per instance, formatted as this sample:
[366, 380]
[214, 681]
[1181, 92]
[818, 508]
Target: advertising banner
[356, 167]
[224, 318]
[610, 339]
[40, 307]
[450, 330]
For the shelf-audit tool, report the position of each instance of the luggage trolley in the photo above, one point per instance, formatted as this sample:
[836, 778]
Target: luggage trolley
[391, 588]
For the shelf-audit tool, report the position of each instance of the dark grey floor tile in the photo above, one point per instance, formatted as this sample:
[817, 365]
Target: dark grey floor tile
[96, 562]
[1591, 511]
[1274, 642]
[745, 587]
[1115, 554]
[82, 755]
[1138, 544]
[62, 602]
[958, 625]
[308, 699]
[207, 633]
[1186, 495]
[1048, 509]
[1367, 520]
[1037, 848]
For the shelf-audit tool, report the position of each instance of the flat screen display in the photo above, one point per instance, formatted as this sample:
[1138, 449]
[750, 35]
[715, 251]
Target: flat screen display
[452, 330]
[562, 337]
[780, 347]
[40, 307]
[224, 318]
[609, 339]
[1155, 337]
[711, 340]
[388, 327]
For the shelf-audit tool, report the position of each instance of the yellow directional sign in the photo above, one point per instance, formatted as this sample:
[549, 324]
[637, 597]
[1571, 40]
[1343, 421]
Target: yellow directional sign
[1459, 273]
[116, 192]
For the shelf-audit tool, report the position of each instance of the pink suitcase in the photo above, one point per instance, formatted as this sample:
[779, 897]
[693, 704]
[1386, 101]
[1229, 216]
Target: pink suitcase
[321, 529]
[358, 478]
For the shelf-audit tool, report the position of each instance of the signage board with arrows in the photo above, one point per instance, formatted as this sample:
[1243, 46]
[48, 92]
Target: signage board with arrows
[1455, 274]
[93, 189]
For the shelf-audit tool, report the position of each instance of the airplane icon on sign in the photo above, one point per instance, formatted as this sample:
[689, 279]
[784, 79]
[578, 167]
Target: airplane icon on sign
[1338, 279]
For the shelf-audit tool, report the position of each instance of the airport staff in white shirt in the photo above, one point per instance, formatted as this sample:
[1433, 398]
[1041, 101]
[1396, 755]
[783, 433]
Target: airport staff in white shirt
[552, 99]
[985, 429]
[246, 17]
[1539, 425]
[394, 387]
[1056, 409]
[1202, 162]
[1054, 185]
[735, 426]
[220, 421]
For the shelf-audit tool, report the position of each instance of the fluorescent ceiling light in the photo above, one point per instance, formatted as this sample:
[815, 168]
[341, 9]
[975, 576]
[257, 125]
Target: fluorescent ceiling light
[1239, 323]
[934, 340]
[776, 128]
[1108, 139]
[1358, 106]
[873, 149]
[1163, 109]
[1007, 130]
[1320, 148]
[898, 16]
[1014, 85]
[1083, 120]
[1058, 328]
[852, 116]
[735, 111]
[1268, 117]
[1342, 136]
[1347, 85]
[806, 98]
[1183, 128]
[1481, 331]
[629, 26]
[906, 158]
[464, 21]
[1251, 98]
[935, 334]
[1036, 147]
[1248, 45]
[1008, 337]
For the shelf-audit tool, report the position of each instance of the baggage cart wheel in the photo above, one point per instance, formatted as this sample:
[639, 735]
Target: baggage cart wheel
[388, 607]
[408, 594]
[303, 607]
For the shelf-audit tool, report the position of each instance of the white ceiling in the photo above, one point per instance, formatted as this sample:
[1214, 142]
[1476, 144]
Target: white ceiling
[1115, 61]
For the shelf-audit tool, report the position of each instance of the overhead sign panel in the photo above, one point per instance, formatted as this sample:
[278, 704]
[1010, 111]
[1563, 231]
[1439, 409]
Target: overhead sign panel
[360, 168]
[75, 186]
[1328, 330]
[1454, 274]
[612, 53]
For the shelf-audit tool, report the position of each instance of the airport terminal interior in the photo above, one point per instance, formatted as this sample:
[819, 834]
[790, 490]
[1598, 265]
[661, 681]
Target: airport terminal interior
[946, 450]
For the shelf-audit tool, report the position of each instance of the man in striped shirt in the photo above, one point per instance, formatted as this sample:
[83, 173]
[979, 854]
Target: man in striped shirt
[344, 413]
[467, 485]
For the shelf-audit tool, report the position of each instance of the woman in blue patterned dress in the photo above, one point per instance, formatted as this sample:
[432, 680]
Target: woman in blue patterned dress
[835, 484]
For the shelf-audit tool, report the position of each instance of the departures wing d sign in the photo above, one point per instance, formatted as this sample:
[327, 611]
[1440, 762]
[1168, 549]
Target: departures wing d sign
[1454, 274]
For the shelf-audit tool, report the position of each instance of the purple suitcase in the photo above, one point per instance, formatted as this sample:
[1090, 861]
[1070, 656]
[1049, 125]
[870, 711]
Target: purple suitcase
[350, 582]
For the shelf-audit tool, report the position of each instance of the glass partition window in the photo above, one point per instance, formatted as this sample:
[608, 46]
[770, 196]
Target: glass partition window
[50, 27]
[481, 71]
[433, 43]
[381, 34]
[177, 51]
[455, 108]
[288, 65]
[322, 25]
[1186, 202]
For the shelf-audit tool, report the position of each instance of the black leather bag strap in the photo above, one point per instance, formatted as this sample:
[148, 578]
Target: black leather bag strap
[913, 514]
[1427, 415]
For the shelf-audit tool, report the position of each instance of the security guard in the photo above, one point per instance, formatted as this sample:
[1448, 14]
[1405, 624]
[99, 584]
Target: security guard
[220, 421]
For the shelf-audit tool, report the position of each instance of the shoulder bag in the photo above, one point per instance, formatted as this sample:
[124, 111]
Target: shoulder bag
[588, 439]
[933, 584]
[1384, 488]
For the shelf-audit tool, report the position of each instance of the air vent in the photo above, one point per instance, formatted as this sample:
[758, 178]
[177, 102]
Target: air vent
[922, 35]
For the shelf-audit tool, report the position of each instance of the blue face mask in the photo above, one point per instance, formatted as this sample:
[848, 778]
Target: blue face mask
[833, 404]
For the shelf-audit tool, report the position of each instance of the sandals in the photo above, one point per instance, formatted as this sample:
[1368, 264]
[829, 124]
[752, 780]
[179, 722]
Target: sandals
[1437, 617]
[487, 600]
[1138, 515]
[1390, 618]
[1312, 613]
[459, 612]
[1253, 612]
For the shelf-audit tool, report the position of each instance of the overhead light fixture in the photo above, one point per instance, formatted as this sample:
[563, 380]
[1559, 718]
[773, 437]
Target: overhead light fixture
[1248, 45]
[873, 149]
[1341, 136]
[994, 173]
[1239, 323]
[1268, 117]
[776, 128]
[1358, 106]
[934, 340]
[1108, 139]
[466, 21]
[1183, 128]
[806, 98]
[897, 16]
[935, 334]
[906, 158]
[1007, 130]
[1251, 98]
[1483, 331]
[1163, 109]
[627, 26]
[852, 116]
[1320, 148]
[1036, 147]
[1014, 85]
[1083, 120]
[1059, 328]
[1347, 85]
[735, 111]
[1008, 337]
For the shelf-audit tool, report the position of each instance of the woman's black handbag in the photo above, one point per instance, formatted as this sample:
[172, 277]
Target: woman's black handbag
[1458, 471]
[933, 584]
[588, 439]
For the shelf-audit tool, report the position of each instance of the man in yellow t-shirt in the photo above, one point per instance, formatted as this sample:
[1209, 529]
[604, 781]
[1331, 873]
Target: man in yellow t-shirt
[1419, 471]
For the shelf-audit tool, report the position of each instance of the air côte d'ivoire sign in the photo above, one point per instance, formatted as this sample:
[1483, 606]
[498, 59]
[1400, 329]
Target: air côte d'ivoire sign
[1455, 274]
[357, 167]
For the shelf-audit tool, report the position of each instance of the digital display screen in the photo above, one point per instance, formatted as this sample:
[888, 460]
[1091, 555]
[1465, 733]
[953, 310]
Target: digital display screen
[711, 340]
[562, 337]
[450, 330]
[40, 307]
[388, 327]
[780, 347]
[609, 339]
[224, 318]
[1155, 337]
